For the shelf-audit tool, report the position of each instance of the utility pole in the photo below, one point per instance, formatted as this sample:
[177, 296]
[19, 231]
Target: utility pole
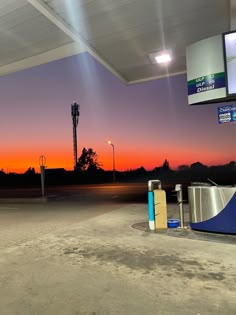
[75, 119]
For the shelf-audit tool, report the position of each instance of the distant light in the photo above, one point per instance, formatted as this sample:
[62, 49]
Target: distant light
[163, 58]
[109, 141]
[159, 57]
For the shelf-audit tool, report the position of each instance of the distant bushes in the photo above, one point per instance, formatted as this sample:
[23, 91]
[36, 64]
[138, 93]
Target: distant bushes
[197, 172]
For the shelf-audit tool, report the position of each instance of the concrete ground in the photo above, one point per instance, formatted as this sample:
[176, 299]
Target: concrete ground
[64, 262]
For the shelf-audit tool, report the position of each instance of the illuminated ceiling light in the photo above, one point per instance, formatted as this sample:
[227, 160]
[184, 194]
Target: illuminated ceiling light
[161, 57]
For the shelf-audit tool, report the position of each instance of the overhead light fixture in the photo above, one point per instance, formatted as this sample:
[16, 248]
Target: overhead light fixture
[163, 58]
[160, 57]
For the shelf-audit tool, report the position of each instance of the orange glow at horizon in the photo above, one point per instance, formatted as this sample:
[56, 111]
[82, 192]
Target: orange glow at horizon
[125, 159]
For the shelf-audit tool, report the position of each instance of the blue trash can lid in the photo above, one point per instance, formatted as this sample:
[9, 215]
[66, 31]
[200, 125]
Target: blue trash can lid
[173, 220]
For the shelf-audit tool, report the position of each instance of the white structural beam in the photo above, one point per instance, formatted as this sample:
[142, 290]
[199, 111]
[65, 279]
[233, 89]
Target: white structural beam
[232, 15]
[54, 18]
[51, 55]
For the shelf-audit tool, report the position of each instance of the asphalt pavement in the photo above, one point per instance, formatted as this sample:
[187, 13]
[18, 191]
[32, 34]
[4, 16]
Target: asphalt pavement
[86, 256]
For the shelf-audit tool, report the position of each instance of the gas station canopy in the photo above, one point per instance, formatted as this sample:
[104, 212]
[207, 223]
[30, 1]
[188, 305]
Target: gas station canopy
[120, 34]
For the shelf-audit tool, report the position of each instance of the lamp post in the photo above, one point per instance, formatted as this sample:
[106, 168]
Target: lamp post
[42, 163]
[113, 159]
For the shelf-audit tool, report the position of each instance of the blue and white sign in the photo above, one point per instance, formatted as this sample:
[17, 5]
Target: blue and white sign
[206, 70]
[227, 114]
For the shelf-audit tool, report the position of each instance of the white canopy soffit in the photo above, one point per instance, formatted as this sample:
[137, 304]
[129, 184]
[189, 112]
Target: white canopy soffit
[120, 34]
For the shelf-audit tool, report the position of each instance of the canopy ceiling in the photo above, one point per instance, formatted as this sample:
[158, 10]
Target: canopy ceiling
[120, 34]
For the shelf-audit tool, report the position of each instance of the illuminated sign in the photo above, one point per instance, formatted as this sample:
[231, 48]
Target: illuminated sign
[230, 61]
[206, 71]
[227, 114]
[206, 83]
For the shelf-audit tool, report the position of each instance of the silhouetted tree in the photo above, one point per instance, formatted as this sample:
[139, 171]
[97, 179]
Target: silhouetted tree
[166, 165]
[183, 167]
[231, 165]
[140, 171]
[88, 161]
[156, 170]
[30, 171]
[198, 166]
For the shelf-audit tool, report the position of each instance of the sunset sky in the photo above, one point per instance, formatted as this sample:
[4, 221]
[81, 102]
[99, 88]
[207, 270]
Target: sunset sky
[147, 122]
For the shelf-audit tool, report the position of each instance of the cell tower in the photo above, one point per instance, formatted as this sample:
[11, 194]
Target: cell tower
[75, 119]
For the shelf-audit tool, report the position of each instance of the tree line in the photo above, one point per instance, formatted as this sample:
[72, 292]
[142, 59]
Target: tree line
[89, 170]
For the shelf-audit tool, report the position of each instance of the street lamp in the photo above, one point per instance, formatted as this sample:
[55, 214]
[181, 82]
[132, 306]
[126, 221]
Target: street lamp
[113, 158]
